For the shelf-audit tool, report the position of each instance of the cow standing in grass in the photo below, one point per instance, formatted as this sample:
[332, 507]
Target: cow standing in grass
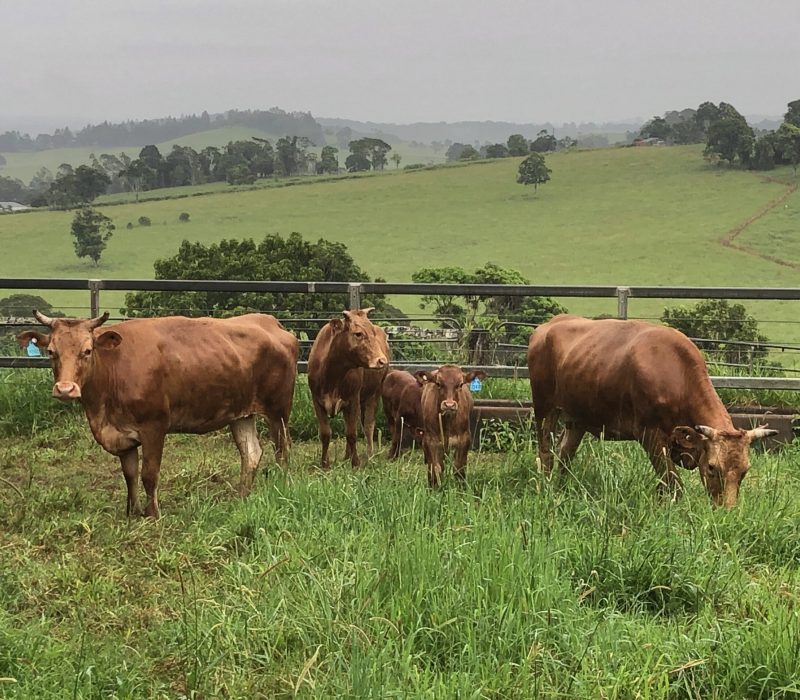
[631, 380]
[446, 404]
[402, 404]
[346, 366]
[145, 378]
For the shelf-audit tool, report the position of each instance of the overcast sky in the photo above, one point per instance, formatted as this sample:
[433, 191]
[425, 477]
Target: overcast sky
[394, 60]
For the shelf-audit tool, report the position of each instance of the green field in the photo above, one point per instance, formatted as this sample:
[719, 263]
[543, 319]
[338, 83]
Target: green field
[612, 216]
[370, 585]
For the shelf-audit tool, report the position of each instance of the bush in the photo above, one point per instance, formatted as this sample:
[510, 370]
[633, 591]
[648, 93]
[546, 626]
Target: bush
[183, 216]
[144, 221]
[712, 322]
[129, 226]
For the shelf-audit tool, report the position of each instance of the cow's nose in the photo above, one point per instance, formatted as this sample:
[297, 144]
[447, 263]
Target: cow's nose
[449, 405]
[66, 390]
[381, 362]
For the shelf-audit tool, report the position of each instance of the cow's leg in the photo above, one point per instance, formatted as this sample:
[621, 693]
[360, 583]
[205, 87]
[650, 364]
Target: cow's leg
[434, 457]
[324, 435]
[545, 421]
[278, 420]
[130, 470]
[368, 410]
[352, 412]
[245, 436]
[570, 441]
[152, 449]
[669, 481]
[460, 444]
[396, 429]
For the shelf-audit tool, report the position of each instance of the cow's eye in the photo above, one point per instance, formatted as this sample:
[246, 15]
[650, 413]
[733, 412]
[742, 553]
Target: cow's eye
[358, 334]
[712, 469]
[52, 353]
[87, 352]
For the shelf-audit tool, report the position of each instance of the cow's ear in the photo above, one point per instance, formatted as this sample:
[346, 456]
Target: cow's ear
[686, 437]
[425, 375]
[42, 339]
[336, 324]
[108, 340]
[474, 374]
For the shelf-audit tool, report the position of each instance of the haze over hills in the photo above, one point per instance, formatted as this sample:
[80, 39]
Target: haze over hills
[487, 131]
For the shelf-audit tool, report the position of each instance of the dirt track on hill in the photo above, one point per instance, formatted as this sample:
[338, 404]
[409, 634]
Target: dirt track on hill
[729, 239]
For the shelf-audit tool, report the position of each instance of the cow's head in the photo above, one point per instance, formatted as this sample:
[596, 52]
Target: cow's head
[365, 342]
[721, 455]
[71, 345]
[450, 383]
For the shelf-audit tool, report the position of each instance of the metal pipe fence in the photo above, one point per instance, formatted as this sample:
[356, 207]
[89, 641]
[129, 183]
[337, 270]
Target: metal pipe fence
[356, 292]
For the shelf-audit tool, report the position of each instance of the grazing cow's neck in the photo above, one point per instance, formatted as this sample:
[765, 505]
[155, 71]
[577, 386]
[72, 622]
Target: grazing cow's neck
[707, 407]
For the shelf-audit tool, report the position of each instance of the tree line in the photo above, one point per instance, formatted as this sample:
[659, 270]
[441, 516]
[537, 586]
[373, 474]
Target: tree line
[239, 163]
[728, 136]
[135, 133]
[516, 145]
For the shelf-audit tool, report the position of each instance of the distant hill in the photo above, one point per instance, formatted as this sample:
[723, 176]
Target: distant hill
[471, 131]
[141, 133]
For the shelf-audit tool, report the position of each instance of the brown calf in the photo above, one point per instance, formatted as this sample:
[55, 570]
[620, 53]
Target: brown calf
[446, 405]
[402, 396]
[346, 365]
[145, 378]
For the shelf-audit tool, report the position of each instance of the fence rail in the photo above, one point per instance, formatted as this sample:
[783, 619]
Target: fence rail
[356, 291]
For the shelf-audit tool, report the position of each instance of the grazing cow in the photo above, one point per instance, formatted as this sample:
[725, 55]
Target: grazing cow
[145, 378]
[446, 405]
[346, 365]
[402, 396]
[630, 380]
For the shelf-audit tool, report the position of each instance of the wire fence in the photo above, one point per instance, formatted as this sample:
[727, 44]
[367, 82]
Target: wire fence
[498, 344]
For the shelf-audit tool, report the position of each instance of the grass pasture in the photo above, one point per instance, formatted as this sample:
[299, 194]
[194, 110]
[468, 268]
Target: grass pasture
[611, 216]
[368, 584]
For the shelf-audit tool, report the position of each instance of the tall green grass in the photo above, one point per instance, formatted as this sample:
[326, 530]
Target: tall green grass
[368, 584]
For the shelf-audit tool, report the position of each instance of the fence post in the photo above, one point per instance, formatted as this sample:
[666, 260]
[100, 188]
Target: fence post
[94, 297]
[622, 302]
[355, 295]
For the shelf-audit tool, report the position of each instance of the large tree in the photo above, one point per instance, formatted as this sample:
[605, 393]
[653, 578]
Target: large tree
[328, 162]
[91, 231]
[729, 136]
[788, 138]
[518, 145]
[274, 258]
[533, 171]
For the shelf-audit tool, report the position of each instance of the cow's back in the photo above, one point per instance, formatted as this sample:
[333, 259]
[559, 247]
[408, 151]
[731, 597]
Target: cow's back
[199, 373]
[616, 375]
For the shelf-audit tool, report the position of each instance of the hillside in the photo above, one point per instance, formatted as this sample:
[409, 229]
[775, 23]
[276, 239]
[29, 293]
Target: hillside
[612, 216]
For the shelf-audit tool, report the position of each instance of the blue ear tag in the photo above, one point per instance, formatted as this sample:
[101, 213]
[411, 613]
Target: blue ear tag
[475, 385]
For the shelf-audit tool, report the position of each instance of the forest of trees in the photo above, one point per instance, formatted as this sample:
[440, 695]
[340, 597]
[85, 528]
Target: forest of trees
[728, 136]
[138, 133]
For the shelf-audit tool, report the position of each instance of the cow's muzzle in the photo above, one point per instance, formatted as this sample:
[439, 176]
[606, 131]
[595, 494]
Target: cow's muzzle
[448, 406]
[378, 363]
[66, 391]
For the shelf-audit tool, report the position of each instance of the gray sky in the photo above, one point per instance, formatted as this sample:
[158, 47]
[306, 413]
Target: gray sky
[394, 60]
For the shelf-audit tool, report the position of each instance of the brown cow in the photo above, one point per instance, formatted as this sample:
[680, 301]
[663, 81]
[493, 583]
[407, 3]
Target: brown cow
[145, 378]
[346, 365]
[402, 396]
[446, 405]
[631, 380]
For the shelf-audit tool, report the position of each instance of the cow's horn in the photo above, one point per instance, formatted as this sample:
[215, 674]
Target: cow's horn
[760, 432]
[99, 321]
[41, 318]
[705, 430]
[368, 309]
